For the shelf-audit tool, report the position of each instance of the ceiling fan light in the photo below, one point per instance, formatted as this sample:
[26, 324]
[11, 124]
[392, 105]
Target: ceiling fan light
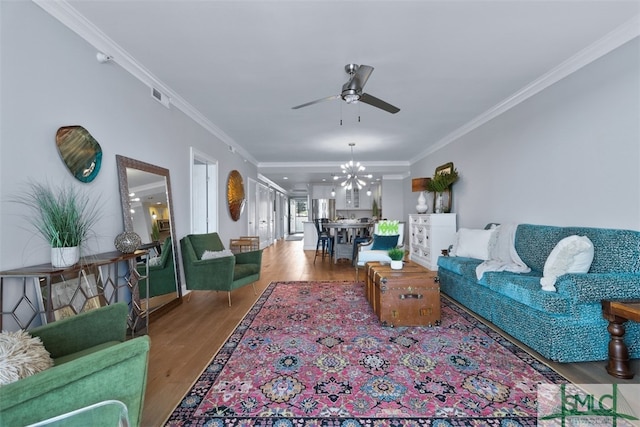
[352, 98]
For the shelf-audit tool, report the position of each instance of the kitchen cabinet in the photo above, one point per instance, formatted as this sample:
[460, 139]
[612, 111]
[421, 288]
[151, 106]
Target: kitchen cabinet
[352, 199]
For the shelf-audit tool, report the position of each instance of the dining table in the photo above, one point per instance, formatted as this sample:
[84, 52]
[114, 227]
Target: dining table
[344, 232]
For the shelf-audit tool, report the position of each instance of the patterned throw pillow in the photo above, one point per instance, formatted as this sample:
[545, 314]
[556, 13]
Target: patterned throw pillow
[388, 228]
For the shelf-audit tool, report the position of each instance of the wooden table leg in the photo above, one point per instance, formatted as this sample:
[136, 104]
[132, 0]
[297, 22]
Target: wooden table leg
[618, 365]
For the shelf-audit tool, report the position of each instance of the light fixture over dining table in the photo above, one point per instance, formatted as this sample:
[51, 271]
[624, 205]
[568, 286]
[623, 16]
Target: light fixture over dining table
[353, 173]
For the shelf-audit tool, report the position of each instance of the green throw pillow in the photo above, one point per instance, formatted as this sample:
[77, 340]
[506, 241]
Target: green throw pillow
[384, 243]
[388, 228]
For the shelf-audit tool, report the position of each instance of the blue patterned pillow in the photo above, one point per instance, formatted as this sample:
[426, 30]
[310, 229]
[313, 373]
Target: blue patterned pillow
[384, 243]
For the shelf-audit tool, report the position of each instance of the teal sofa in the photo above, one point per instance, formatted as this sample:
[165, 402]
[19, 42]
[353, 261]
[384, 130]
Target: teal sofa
[217, 274]
[563, 326]
[93, 362]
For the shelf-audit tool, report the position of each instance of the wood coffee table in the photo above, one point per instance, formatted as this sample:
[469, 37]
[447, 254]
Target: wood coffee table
[617, 312]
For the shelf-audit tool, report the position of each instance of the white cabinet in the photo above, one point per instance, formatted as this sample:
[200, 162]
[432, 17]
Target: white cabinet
[429, 234]
[365, 201]
[352, 199]
[341, 198]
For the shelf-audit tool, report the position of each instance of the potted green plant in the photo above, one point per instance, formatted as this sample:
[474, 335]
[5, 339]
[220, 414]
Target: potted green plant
[155, 232]
[440, 183]
[396, 255]
[63, 216]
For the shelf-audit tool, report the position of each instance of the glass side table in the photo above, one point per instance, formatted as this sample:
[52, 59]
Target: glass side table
[109, 413]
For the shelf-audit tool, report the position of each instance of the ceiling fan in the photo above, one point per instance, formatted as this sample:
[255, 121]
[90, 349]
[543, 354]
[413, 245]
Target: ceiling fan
[352, 90]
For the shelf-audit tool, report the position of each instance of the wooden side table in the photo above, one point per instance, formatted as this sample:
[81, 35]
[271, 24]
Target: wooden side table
[244, 244]
[617, 312]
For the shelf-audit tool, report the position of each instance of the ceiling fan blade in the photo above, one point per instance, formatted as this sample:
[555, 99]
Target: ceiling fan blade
[379, 103]
[359, 78]
[317, 101]
[362, 75]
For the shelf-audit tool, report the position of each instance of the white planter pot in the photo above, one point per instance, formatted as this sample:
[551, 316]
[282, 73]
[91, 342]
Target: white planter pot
[65, 257]
[396, 265]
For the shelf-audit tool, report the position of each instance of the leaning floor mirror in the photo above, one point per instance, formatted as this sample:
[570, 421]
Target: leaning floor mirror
[147, 209]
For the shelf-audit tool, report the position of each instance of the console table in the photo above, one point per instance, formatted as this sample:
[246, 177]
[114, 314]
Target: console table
[618, 312]
[94, 281]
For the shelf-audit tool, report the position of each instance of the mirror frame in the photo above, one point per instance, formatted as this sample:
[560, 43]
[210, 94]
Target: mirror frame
[124, 163]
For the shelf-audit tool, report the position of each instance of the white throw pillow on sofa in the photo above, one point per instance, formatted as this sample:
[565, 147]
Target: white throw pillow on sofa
[572, 254]
[472, 243]
[216, 254]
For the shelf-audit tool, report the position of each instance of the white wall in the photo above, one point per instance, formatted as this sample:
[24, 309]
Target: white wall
[568, 156]
[50, 78]
[393, 198]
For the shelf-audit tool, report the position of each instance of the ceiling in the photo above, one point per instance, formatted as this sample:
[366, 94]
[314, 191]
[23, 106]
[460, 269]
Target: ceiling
[241, 66]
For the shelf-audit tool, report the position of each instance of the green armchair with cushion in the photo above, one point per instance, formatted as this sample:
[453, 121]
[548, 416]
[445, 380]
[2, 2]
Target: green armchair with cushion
[223, 273]
[162, 273]
[93, 362]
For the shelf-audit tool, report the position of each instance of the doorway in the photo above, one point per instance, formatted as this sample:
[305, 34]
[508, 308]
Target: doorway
[204, 193]
[299, 213]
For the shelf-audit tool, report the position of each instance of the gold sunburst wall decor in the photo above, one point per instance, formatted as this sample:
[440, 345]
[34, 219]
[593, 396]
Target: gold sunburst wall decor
[235, 194]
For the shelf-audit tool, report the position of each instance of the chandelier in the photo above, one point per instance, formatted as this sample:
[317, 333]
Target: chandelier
[353, 173]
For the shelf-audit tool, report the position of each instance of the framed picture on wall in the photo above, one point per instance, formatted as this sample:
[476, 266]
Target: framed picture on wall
[447, 195]
[446, 168]
[163, 224]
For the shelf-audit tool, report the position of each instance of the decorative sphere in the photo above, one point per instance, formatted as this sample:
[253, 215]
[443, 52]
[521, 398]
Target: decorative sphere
[127, 242]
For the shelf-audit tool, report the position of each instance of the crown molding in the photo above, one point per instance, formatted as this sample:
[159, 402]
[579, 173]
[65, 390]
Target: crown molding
[611, 41]
[271, 184]
[76, 22]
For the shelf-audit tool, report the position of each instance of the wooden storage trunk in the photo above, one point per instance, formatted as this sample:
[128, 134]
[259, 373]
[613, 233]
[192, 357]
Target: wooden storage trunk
[407, 297]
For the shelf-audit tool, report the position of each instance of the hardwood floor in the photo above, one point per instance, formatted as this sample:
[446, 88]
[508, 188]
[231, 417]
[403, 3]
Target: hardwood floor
[185, 339]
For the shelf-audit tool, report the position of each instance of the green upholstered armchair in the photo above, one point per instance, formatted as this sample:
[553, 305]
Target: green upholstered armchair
[162, 276]
[217, 274]
[93, 362]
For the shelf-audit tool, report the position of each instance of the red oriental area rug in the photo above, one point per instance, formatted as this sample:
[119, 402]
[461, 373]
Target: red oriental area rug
[314, 353]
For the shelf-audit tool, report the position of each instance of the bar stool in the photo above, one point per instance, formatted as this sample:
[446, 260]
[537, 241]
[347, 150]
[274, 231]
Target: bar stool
[324, 238]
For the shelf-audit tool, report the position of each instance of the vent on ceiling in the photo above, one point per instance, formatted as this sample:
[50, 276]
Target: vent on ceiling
[160, 97]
